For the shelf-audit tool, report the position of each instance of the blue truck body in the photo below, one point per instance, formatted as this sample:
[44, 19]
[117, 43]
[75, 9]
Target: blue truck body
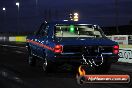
[64, 49]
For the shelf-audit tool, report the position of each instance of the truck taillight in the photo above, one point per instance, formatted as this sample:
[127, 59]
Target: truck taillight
[116, 49]
[58, 49]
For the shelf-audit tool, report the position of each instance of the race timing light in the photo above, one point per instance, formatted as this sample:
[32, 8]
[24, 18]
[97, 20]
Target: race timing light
[72, 28]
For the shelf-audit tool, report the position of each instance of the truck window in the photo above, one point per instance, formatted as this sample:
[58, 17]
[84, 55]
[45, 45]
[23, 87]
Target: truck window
[77, 31]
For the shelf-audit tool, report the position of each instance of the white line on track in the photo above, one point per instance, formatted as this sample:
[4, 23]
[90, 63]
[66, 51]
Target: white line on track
[10, 76]
[20, 52]
[12, 46]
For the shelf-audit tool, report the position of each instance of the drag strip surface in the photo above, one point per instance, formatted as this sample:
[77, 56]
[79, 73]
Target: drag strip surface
[16, 73]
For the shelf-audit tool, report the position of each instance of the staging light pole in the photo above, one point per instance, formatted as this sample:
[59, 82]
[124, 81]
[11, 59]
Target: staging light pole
[18, 6]
[4, 9]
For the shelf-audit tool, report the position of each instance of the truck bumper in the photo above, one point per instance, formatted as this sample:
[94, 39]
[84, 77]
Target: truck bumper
[77, 58]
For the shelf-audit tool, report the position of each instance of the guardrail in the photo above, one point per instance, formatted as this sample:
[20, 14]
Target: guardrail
[13, 38]
[4, 38]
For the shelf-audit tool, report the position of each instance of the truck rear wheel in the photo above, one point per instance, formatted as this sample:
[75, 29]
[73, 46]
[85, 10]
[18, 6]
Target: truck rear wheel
[48, 66]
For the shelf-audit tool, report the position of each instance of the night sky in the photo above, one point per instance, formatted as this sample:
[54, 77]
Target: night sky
[32, 14]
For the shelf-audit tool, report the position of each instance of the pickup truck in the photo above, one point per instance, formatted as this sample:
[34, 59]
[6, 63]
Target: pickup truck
[74, 43]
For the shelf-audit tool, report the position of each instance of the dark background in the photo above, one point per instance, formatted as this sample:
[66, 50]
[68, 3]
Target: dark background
[110, 14]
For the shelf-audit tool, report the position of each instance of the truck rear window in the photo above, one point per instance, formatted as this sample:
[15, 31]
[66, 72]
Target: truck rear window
[79, 30]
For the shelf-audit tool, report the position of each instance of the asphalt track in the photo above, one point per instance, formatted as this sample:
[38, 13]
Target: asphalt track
[16, 73]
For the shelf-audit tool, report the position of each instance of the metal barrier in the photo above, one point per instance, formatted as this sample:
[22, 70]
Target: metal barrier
[12, 38]
[4, 38]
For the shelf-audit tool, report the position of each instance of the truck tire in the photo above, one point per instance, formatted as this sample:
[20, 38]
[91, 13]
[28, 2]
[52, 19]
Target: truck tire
[47, 66]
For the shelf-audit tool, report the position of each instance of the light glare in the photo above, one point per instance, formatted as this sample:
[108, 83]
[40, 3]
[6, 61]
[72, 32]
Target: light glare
[17, 3]
[4, 9]
[76, 14]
